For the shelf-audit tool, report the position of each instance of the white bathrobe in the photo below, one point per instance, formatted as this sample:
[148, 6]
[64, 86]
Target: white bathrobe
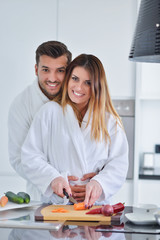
[21, 114]
[56, 146]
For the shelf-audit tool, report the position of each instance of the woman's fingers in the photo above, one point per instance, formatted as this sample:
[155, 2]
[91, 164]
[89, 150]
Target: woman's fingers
[87, 197]
[93, 192]
[58, 184]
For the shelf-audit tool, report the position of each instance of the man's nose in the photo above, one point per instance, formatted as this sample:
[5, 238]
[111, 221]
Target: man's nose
[53, 76]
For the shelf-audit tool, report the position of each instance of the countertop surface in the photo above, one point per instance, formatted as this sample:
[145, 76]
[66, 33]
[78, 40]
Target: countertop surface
[152, 174]
[20, 224]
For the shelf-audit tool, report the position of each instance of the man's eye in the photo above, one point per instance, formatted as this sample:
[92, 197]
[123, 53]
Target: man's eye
[45, 70]
[61, 70]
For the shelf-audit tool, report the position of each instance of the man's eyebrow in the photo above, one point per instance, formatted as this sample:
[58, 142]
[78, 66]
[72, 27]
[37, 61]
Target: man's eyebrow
[44, 67]
[62, 67]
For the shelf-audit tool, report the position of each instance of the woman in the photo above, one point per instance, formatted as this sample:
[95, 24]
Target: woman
[78, 133]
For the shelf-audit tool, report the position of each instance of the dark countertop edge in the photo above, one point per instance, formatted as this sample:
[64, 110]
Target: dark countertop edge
[151, 177]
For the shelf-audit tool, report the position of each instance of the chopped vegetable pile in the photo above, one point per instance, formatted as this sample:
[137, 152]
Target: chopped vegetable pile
[60, 210]
[79, 206]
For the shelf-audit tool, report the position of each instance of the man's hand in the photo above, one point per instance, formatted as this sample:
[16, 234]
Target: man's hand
[58, 184]
[88, 176]
[79, 191]
[93, 192]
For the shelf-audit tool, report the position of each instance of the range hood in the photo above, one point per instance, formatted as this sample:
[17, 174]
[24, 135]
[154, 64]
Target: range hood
[146, 41]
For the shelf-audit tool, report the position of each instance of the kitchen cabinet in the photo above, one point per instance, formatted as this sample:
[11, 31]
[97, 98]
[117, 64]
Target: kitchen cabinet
[147, 127]
[148, 191]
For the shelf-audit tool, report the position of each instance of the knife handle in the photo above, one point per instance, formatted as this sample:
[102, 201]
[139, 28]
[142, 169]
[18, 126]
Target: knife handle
[65, 193]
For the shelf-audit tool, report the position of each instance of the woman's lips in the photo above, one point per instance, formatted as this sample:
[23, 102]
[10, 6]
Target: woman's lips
[77, 94]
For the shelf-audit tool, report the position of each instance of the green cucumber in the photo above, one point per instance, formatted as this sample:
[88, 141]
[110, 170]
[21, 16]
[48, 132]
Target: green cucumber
[12, 197]
[25, 196]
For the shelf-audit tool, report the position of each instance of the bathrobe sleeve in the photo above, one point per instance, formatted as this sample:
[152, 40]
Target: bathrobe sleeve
[18, 126]
[34, 153]
[114, 173]
[20, 116]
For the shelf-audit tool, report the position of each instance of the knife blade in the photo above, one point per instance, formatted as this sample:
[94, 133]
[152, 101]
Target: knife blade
[71, 199]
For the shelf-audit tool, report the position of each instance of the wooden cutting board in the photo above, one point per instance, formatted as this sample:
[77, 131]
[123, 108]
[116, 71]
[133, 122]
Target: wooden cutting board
[44, 213]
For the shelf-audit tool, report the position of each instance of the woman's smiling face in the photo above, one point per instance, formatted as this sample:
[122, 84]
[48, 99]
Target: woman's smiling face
[79, 87]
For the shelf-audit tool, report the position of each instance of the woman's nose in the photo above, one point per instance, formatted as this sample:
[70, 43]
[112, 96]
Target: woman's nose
[79, 85]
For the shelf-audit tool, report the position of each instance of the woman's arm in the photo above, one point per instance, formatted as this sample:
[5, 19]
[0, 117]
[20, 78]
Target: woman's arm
[111, 178]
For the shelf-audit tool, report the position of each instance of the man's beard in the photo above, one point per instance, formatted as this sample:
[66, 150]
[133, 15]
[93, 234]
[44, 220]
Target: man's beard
[46, 93]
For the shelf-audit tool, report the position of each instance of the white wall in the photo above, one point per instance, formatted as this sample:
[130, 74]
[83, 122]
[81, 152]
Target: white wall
[104, 28]
[101, 27]
[24, 25]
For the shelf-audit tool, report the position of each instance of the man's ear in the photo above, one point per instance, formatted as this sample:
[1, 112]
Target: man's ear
[36, 70]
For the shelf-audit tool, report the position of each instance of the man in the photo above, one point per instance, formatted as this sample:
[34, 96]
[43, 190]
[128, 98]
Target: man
[52, 58]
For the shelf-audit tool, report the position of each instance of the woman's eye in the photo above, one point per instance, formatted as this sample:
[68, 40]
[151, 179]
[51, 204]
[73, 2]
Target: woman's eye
[74, 78]
[88, 83]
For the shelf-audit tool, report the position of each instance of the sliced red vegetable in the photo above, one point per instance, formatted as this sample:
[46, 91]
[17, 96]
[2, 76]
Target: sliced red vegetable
[119, 207]
[110, 227]
[95, 211]
[107, 210]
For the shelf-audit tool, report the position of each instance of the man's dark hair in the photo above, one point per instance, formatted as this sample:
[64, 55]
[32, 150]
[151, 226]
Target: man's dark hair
[53, 49]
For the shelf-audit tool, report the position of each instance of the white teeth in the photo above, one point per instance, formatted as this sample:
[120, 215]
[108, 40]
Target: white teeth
[52, 85]
[78, 94]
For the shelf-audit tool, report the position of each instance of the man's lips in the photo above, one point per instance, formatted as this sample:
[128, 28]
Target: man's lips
[52, 85]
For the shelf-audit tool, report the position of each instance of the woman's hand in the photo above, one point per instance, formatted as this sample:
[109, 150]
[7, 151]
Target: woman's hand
[58, 184]
[90, 233]
[93, 192]
[60, 233]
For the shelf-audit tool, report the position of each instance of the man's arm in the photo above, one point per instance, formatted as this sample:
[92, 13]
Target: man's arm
[18, 126]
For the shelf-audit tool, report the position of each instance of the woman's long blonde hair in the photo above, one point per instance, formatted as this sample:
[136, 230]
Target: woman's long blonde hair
[100, 101]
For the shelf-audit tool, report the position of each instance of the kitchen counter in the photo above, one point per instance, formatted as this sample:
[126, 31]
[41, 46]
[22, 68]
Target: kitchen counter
[23, 226]
[153, 174]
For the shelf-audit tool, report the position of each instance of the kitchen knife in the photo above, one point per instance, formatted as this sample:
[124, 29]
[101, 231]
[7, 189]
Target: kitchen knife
[71, 199]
